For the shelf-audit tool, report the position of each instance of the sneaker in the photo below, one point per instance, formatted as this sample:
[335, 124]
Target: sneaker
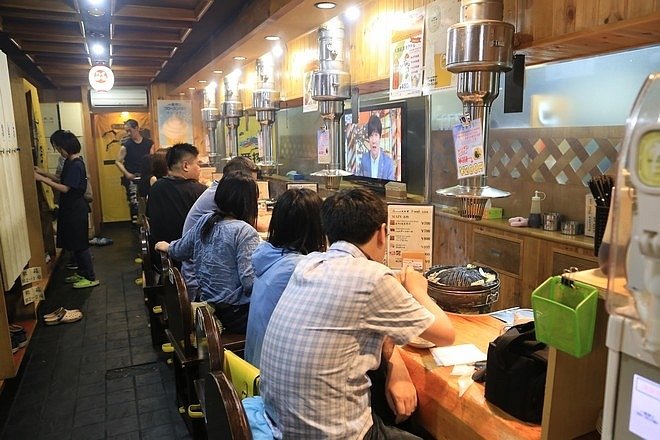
[73, 279]
[84, 283]
[18, 340]
[72, 266]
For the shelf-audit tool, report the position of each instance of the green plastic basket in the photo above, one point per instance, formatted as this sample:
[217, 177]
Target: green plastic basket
[565, 316]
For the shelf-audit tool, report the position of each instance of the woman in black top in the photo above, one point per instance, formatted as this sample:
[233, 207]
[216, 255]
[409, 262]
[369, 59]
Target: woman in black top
[73, 209]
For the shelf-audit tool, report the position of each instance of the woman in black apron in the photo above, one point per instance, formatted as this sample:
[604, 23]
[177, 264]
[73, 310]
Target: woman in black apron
[73, 210]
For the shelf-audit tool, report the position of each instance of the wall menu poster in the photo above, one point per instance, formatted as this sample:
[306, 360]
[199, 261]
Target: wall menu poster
[174, 122]
[440, 15]
[406, 49]
[469, 148]
[410, 238]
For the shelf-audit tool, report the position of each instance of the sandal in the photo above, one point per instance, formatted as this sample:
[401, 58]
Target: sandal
[55, 314]
[69, 316]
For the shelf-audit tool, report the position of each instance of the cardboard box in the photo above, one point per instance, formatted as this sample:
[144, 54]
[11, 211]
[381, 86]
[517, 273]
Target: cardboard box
[492, 213]
[589, 216]
[396, 191]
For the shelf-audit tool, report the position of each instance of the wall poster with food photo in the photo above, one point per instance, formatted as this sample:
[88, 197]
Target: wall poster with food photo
[174, 122]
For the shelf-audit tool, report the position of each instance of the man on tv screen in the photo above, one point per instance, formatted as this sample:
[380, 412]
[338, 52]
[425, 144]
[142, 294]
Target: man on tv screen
[377, 163]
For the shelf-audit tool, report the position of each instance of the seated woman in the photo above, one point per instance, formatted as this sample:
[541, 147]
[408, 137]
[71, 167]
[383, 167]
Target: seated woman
[295, 230]
[221, 245]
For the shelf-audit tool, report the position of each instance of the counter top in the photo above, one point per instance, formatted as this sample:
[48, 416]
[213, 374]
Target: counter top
[503, 224]
[445, 415]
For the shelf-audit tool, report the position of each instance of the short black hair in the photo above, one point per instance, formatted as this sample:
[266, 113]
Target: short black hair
[56, 138]
[240, 163]
[179, 152]
[69, 143]
[374, 125]
[296, 222]
[353, 215]
[132, 123]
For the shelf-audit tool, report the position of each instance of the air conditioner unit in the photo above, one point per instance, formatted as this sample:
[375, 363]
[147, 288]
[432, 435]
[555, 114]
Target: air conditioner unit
[119, 97]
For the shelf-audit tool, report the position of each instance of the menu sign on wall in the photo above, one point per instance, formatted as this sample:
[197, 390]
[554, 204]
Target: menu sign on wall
[469, 148]
[410, 236]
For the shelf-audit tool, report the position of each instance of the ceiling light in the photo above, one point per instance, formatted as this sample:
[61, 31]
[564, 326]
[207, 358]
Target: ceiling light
[202, 81]
[325, 5]
[239, 58]
[272, 38]
[277, 51]
[217, 71]
[98, 49]
[191, 88]
[352, 13]
[96, 12]
[182, 93]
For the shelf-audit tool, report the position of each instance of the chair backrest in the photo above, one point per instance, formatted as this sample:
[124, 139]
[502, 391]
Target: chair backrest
[179, 311]
[209, 347]
[223, 412]
[146, 253]
[242, 374]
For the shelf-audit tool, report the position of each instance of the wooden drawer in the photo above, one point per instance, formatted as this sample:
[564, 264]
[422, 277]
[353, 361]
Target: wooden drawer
[561, 261]
[501, 254]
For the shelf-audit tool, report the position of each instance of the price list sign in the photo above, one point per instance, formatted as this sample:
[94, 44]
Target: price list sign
[410, 236]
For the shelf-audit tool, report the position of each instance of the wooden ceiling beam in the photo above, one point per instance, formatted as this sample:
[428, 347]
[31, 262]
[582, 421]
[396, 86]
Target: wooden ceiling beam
[41, 5]
[159, 13]
[121, 51]
[52, 47]
[142, 37]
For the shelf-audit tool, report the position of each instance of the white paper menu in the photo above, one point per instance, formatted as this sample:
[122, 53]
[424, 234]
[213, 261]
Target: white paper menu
[410, 236]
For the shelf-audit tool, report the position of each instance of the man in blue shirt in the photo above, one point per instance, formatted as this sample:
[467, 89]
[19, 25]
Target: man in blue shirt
[377, 163]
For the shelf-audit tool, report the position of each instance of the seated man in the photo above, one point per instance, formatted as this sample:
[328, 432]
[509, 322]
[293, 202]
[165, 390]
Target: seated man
[171, 197]
[328, 329]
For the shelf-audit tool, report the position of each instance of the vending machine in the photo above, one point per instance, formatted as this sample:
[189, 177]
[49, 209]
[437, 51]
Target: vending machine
[632, 390]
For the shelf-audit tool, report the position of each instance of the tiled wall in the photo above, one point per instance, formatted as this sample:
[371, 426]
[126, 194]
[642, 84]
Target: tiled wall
[557, 161]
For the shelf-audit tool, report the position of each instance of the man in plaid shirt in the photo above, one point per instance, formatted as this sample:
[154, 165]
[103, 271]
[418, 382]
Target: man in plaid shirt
[331, 325]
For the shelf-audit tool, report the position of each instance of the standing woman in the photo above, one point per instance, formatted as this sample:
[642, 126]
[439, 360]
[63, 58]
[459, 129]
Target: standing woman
[73, 209]
[221, 245]
[295, 230]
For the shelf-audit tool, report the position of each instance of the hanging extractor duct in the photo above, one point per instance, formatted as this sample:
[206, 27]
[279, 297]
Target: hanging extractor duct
[266, 101]
[479, 49]
[331, 86]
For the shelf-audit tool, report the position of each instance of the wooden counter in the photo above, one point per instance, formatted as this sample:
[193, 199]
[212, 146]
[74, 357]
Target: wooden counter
[445, 415]
[573, 392]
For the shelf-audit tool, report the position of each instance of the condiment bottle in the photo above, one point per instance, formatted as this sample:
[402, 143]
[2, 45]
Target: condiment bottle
[534, 220]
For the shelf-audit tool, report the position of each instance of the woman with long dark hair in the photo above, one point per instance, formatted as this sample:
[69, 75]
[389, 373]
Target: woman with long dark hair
[295, 230]
[221, 245]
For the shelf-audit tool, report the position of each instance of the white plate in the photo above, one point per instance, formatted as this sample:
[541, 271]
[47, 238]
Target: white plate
[418, 342]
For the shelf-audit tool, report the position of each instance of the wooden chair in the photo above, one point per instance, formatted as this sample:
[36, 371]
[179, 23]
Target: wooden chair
[186, 360]
[152, 288]
[224, 413]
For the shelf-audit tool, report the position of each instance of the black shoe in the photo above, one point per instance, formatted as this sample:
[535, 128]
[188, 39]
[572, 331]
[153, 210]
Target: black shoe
[18, 337]
[72, 266]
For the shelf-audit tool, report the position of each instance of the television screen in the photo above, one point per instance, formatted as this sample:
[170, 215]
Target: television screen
[375, 142]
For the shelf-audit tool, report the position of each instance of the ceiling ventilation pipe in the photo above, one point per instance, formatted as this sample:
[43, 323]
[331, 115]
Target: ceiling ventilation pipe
[210, 117]
[232, 110]
[479, 48]
[331, 86]
[266, 101]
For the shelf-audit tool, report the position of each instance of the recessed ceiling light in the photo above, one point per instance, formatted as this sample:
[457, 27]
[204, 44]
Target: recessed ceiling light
[325, 5]
[96, 12]
[181, 93]
[239, 58]
[202, 81]
[217, 71]
[272, 38]
[98, 49]
[191, 88]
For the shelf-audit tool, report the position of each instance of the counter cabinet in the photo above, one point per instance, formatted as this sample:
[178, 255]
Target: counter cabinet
[523, 257]
[574, 390]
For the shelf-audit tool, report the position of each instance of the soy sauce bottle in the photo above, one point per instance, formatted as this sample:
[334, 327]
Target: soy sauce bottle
[534, 220]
